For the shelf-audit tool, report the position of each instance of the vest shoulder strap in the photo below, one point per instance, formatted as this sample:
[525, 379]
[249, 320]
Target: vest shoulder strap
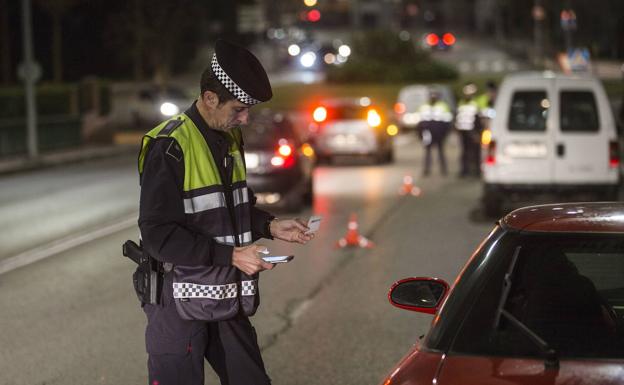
[170, 127]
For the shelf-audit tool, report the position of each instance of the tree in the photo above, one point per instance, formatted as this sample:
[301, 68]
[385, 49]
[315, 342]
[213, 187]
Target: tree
[151, 34]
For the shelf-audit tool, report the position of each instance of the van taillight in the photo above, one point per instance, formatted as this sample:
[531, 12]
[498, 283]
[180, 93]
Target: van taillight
[614, 154]
[490, 157]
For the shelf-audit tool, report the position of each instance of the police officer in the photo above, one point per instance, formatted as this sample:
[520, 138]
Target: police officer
[435, 119]
[468, 125]
[486, 100]
[197, 216]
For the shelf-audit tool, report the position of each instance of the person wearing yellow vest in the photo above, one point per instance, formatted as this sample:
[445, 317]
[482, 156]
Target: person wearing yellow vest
[468, 125]
[435, 121]
[198, 218]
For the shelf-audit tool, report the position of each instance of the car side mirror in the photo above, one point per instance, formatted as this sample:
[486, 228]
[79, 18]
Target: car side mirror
[423, 295]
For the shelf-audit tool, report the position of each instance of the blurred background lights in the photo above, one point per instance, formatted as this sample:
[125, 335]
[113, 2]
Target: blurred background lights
[308, 59]
[294, 50]
[344, 50]
[329, 58]
[309, 3]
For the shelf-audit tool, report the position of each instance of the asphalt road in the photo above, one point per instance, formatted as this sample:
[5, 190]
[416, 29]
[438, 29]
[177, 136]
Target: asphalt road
[73, 318]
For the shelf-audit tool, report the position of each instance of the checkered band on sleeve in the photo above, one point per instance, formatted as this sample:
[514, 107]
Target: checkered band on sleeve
[193, 290]
[228, 83]
[249, 287]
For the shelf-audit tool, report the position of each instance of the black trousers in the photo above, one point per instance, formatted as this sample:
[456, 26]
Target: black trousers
[231, 348]
[470, 153]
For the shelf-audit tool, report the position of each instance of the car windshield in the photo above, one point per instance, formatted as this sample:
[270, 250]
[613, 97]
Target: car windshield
[566, 288]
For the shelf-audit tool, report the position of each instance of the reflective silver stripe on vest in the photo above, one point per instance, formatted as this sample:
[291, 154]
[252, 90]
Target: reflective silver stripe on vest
[249, 287]
[204, 202]
[244, 239]
[194, 290]
[466, 115]
[241, 195]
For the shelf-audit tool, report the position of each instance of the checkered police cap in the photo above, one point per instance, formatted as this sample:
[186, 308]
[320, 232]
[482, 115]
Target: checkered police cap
[241, 73]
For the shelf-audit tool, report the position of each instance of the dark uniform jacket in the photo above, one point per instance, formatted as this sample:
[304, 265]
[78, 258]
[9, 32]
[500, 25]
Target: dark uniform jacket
[167, 238]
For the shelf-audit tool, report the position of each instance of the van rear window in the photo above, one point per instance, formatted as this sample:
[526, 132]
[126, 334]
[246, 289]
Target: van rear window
[578, 112]
[528, 111]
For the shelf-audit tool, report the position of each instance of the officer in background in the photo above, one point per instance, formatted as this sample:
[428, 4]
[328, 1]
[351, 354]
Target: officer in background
[486, 102]
[197, 216]
[468, 125]
[435, 121]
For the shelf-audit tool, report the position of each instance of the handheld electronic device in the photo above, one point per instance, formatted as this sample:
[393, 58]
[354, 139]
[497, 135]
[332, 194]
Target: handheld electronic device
[278, 258]
[314, 223]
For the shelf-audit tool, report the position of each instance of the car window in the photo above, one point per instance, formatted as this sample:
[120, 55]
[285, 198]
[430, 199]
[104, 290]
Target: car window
[566, 288]
[528, 111]
[578, 112]
[265, 132]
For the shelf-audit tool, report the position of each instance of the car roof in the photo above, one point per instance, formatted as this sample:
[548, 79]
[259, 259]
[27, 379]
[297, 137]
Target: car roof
[346, 101]
[590, 217]
[532, 75]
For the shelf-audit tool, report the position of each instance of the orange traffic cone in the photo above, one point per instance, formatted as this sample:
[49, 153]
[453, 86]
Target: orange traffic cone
[353, 238]
[409, 188]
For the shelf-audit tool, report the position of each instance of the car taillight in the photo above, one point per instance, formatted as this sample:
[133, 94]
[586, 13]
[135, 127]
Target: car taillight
[486, 137]
[432, 39]
[448, 38]
[284, 156]
[319, 114]
[614, 154]
[490, 156]
[399, 108]
[373, 118]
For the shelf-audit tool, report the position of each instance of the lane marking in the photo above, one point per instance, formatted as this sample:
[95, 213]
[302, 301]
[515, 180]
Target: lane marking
[64, 244]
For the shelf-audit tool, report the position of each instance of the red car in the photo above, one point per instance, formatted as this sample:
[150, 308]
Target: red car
[541, 301]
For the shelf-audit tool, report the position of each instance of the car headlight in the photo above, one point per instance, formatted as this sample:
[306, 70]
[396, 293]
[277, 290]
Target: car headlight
[308, 59]
[169, 109]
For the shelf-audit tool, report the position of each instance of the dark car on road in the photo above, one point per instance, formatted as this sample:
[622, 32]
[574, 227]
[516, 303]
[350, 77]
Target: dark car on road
[541, 301]
[279, 163]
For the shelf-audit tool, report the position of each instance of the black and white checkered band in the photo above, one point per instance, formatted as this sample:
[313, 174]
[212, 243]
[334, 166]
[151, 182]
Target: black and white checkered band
[193, 290]
[228, 83]
[249, 287]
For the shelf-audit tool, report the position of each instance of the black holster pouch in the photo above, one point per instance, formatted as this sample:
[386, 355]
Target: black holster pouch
[148, 276]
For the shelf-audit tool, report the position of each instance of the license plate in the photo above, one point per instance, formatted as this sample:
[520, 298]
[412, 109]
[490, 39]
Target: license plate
[526, 150]
[252, 160]
[341, 140]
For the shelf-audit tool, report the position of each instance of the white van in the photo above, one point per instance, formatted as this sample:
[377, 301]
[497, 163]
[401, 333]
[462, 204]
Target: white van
[552, 133]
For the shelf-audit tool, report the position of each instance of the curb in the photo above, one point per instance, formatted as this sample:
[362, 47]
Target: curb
[76, 155]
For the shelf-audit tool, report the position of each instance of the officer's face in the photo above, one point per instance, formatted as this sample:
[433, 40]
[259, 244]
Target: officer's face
[231, 114]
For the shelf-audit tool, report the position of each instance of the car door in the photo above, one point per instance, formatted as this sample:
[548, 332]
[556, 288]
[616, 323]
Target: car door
[525, 143]
[581, 138]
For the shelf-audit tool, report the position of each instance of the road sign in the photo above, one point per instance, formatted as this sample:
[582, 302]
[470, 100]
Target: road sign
[29, 72]
[578, 59]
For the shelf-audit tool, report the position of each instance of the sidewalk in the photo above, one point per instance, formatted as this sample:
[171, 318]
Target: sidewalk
[55, 158]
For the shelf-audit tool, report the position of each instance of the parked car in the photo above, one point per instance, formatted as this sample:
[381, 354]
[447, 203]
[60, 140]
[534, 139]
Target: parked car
[279, 164]
[352, 126]
[410, 99]
[541, 301]
[552, 134]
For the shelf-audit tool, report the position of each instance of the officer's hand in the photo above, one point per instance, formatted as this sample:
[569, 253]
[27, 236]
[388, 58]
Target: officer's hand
[290, 230]
[246, 259]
